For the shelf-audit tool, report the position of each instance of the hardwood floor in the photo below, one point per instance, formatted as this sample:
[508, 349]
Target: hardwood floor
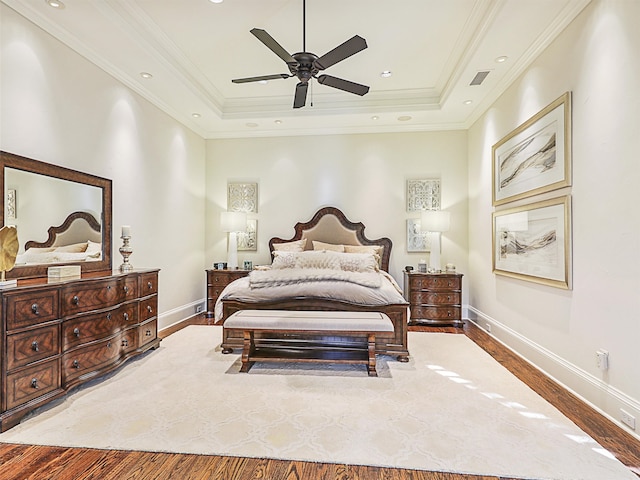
[28, 462]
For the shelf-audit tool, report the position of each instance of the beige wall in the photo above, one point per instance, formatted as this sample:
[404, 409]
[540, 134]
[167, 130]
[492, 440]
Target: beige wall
[363, 175]
[597, 59]
[59, 108]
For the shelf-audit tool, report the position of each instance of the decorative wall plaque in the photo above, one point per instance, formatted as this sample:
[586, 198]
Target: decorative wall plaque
[242, 197]
[423, 195]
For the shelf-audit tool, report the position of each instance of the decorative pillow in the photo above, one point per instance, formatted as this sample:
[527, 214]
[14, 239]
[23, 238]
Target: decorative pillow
[36, 250]
[284, 259]
[327, 246]
[74, 248]
[358, 262]
[318, 259]
[374, 249]
[93, 249]
[297, 246]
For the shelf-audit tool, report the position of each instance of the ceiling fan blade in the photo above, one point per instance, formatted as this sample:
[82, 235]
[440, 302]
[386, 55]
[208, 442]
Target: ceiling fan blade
[352, 46]
[342, 84]
[301, 95]
[259, 79]
[272, 45]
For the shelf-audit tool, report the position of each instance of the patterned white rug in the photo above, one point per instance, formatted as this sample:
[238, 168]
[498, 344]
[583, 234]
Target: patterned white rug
[451, 408]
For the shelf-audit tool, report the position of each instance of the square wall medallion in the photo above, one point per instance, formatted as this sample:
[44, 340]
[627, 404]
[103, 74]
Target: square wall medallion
[242, 197]
[423, 195]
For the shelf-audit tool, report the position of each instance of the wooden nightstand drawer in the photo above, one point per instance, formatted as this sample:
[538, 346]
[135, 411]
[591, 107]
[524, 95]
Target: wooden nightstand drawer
[31, 308]
[434, 298]
[435, 313]
[217, 280]
[28, 347]
[33, 382]
[436, 282]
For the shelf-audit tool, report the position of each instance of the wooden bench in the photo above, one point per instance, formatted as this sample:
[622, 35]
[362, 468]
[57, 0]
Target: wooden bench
[295, 321]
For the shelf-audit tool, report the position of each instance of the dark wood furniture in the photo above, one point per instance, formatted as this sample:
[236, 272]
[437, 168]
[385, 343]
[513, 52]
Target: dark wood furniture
[57, 335]
[216, 281]
[9, 161]
[289, 322]
[328, 225]
[82, 221]
[434, 298]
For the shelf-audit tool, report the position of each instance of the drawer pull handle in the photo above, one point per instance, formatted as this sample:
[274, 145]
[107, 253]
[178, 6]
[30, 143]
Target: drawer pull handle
[34, 346]
[76, 332]
[149, 309]
[76, 364]
[109, 345]
[108, 287]
[148, 333]
[75, 300]
[448, 314]
[34, 309]
[108, 316]
[125, 342]
[448, 298]
[126, 289]
[34, 383]
[150, 285]
[126, 317]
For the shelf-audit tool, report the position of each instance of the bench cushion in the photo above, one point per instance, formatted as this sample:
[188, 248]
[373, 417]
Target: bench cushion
[309, 321]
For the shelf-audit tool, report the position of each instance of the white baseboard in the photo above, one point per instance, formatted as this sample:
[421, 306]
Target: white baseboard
[601, 396]
[173, 317]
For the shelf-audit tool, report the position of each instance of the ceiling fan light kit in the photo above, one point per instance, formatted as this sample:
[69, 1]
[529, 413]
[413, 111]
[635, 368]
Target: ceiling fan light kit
[306, 65]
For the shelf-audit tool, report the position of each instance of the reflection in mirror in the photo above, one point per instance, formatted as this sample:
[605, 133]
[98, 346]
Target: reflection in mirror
[62, 216]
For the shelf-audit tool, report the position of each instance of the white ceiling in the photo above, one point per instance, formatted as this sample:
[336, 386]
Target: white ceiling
[193, 48]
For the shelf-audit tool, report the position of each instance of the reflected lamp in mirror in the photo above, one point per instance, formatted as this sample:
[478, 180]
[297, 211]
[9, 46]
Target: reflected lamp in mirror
[434, 222]
[232, 223]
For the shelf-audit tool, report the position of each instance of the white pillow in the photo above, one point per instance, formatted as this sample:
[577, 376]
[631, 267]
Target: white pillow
[327, 246]
[93, 249]
[297, 246]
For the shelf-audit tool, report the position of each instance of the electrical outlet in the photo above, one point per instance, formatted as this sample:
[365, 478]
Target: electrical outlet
[628, 419]
[602, 360]
[487, 327]
[199, 308]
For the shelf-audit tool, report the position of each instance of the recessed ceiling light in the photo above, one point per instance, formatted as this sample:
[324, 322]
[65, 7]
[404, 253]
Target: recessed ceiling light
[55, 3]
[195, 115]
[501, 59]
[375, 117]
[277, 122]
[263, 82]
[252, 125]
[404, 118]
[386, 74]
[468, 102]
[146, 75]
[216, 1]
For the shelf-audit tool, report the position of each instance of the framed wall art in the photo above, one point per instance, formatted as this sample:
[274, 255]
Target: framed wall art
[535, 157]
[242, 197]
[533, 242]
[423, 195]
[248, 240]
[417, 240]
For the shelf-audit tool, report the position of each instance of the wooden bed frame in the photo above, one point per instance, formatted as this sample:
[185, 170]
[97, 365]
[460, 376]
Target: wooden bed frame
[77, 227]
[328, 225]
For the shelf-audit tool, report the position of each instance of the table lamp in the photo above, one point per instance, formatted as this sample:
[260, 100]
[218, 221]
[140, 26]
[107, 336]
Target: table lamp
[233, 222]
[434, 222]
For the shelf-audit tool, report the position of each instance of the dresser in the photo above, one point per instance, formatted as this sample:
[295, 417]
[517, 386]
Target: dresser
[59, 334]
[216, 281]
[434, 298]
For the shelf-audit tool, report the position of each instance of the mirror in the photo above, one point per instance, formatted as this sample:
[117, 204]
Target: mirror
[63, 216]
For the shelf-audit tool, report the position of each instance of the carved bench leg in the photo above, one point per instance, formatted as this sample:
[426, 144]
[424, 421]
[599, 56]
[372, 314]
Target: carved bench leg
[371, 346]
[247, 351]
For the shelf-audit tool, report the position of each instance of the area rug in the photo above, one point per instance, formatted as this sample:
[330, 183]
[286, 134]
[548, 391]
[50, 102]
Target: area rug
[452, 408]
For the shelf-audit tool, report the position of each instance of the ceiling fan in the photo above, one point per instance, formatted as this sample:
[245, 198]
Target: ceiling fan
[306, 65]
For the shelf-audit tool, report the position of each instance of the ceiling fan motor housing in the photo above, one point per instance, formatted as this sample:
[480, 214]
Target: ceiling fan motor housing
[305, 69]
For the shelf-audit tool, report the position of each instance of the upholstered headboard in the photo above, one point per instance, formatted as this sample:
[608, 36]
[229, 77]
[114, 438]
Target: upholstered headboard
[77, 227]
[330, 225]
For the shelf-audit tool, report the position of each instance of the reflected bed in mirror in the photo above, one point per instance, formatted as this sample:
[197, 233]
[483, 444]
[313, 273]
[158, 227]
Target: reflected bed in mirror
[63, 216]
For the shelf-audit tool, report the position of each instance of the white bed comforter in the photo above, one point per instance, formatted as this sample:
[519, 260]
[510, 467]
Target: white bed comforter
[310, 283]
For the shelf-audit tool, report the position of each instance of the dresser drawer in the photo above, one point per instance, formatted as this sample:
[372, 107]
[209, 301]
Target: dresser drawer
[148, 284]
[88, 328]
[147, 333]
[435, 313]
[93, 295]
[148, 308]
[436, 282]
[32, 308]
[434, 298]
[32, 383]
[28, 347]
[92, 357]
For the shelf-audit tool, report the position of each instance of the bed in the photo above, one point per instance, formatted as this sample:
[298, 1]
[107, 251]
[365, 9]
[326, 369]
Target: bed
[328, 230]
[77, 239]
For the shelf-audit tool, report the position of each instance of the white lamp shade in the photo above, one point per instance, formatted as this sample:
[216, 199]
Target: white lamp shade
[233, 221]
[435, 221]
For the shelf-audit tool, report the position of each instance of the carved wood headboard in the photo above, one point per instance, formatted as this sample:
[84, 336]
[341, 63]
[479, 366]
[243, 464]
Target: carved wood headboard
[330, 225]
[77, 227]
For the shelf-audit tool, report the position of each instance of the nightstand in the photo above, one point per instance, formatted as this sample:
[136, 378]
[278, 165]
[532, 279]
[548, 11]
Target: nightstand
[216, 281]
[434, 298]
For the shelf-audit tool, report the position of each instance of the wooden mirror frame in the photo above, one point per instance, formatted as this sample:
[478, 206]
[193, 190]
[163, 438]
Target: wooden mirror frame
[30, 165]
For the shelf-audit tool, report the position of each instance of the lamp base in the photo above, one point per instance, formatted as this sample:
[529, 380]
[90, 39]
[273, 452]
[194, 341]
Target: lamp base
[232, 251]
[434, 256]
